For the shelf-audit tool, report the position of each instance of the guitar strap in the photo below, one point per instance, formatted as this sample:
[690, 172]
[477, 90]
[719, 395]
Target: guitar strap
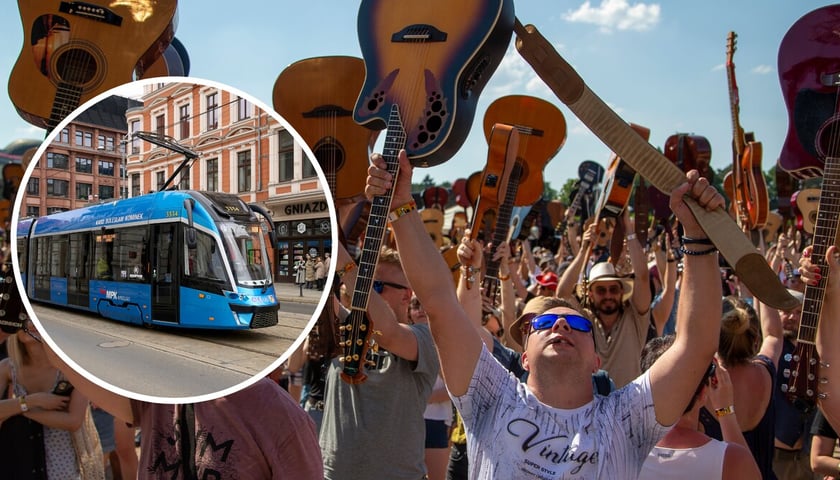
[186, 424]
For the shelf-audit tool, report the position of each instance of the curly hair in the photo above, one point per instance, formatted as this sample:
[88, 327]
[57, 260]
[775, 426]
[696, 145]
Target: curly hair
[740, 331]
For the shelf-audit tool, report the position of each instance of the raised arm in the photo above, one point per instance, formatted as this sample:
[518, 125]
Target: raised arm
[641, 296]
[675, 375]
[458, 343]
[567, 282]
[667, 267]
[469, 285]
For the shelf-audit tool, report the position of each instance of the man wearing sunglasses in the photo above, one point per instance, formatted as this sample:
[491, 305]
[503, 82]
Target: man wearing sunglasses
[553, 426]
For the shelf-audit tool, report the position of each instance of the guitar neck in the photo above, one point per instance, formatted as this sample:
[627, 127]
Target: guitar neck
[825, 235]
[67, 97]
[503, 215]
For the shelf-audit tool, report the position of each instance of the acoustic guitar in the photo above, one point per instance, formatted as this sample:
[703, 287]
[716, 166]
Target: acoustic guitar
[425, 67]
[808, 65]
[76, 50]
[590, 174]
[434, 202]
[317, 95]
[174, 62]
[688, 152]
[745, 184]
[806, 204]
[433, 59]
[566, 83]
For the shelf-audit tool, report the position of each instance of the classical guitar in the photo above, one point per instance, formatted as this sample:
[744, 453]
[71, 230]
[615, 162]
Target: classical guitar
[566, 83]
[499, 185]
[433, 59]
[688, 152]
[173, 62]
[806, 204]
[746, 183]
[809, 73]
[803, 376]
[317, 95]
[542, 133]
[76, 50]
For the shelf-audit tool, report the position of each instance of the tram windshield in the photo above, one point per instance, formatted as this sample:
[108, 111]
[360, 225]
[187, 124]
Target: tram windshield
[247, 253]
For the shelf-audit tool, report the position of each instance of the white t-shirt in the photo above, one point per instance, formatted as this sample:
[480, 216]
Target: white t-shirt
[511, 434]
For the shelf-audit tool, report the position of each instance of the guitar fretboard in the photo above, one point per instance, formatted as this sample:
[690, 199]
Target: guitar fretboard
[825, 233]
[491, 275]
[67, 98]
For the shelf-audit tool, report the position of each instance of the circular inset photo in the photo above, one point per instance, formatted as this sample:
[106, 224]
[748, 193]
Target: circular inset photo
[158, 235]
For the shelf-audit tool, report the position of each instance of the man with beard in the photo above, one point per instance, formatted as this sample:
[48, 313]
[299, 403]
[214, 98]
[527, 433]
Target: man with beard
[793, 420]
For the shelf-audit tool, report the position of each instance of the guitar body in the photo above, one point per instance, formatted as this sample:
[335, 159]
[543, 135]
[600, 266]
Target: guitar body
[432, 59]
[618, 183]
[807, 202]
[317, 96]
[174, 62]
[775, 222]
[808, 62]
[785, 186]
[71, 56]
[753, 193]
[542, 132]
[688, 152]
[501, 158]
[434, 201]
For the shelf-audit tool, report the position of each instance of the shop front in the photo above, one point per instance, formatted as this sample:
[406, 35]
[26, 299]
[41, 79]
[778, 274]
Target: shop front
[305, 229]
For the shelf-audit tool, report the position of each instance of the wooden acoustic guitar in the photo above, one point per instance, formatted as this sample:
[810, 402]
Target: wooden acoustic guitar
[809, 72]
[745, 183]
[688, 152]
[433, 59]
[806, 204]
[317, 95]
[76, 50]
[425, 67]
[566, 83]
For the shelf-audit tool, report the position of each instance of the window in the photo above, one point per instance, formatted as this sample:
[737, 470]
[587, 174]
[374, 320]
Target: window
[100, 142]
[84, 165]
[33, 211]
[51, 210]
[135, 142]
[308, 168]
[243, 162]
[106, 192]
[286, 155]
[56, 160]
[84, 191]
[84, 139]
[213, 175]
[160, 125]
[106, 168]
[57, 188]
[243, 108]
[205, 261]
[212, 112]
[64, 136]
[129, 259]
[109, 144]
[33, 187]
[135, 184]
[184, 184]
[184, 116]
[161, 179]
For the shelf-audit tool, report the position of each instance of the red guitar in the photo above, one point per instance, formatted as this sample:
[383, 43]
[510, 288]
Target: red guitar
[76, 50]
[808, 64]
[745, 184]
[688, 152]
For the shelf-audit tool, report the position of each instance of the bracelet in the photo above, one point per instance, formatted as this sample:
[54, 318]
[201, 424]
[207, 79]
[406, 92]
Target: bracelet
[697, 252]
[402, 210]
[699, 241]
[504, 277]
[722, 412]
[632, 236]
[346, 268]
[469, 272]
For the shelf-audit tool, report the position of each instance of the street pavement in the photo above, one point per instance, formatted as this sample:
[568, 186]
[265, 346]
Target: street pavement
[289, 292]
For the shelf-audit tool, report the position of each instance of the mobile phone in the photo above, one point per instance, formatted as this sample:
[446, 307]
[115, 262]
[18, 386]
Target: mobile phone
[63, 388]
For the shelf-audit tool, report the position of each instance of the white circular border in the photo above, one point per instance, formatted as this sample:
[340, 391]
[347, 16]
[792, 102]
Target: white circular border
[122, 91]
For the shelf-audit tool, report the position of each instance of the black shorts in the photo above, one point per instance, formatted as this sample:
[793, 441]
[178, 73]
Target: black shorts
[437, 434]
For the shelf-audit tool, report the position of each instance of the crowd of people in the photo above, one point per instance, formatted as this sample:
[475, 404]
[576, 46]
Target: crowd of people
[654, 364]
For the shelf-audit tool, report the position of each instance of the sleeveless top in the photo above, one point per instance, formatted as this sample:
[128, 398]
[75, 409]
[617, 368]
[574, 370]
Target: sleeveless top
[761, 438]
[58, 444]
[705, 461]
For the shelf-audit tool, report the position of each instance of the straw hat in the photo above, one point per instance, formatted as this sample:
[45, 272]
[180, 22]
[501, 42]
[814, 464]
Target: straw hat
[536, 305]
[605, 272]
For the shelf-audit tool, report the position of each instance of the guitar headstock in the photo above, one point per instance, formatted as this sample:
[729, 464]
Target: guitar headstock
[731, 40]
[12, 314]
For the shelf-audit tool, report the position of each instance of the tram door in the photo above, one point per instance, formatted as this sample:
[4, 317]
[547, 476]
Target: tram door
[78, 276]
[165, 272]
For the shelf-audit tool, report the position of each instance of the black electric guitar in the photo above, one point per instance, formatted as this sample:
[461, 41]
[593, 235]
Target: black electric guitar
[590, 174]
[76, 50]
[12, 314]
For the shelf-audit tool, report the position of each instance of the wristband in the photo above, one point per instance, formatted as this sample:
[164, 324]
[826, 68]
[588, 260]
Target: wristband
[699, 241]
[504, 277]
[402, 210]
[722, 412]
[698, 252]
[23, 406]
[346, 268]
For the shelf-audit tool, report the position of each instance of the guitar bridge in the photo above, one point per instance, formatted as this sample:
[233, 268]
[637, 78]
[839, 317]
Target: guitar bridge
[419, 33]
[91, 11]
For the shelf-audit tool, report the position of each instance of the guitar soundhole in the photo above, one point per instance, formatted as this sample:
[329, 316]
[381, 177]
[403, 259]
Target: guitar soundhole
[330, 156]
[77, 67]
[828, 139]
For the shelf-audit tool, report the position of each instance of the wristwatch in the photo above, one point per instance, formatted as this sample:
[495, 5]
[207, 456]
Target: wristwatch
[23, 406]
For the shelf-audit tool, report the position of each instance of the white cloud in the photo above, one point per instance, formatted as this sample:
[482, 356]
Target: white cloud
[762, 69]
[616, 14]
[719, 67]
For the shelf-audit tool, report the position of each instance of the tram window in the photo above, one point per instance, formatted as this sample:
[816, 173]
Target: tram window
[104, 255]
[130, 257]
[204, 261]
[58, 256]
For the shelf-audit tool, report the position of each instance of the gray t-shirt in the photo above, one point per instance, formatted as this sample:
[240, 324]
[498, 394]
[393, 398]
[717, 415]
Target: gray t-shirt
[376, 429]
[511, 434]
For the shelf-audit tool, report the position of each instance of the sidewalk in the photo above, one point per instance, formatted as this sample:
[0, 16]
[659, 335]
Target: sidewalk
[289, 292]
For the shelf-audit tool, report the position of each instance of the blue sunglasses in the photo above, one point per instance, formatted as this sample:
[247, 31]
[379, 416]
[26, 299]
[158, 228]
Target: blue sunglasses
[379, 285]
[547, 320]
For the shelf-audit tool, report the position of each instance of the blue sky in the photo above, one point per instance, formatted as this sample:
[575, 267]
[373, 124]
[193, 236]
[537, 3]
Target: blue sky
[658, 64]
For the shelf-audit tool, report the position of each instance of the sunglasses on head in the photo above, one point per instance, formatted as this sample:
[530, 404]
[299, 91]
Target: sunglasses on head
[547, 320]
[379, 285]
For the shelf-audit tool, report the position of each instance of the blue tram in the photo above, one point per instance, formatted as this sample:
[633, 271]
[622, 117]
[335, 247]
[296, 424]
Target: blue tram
[175, 258]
